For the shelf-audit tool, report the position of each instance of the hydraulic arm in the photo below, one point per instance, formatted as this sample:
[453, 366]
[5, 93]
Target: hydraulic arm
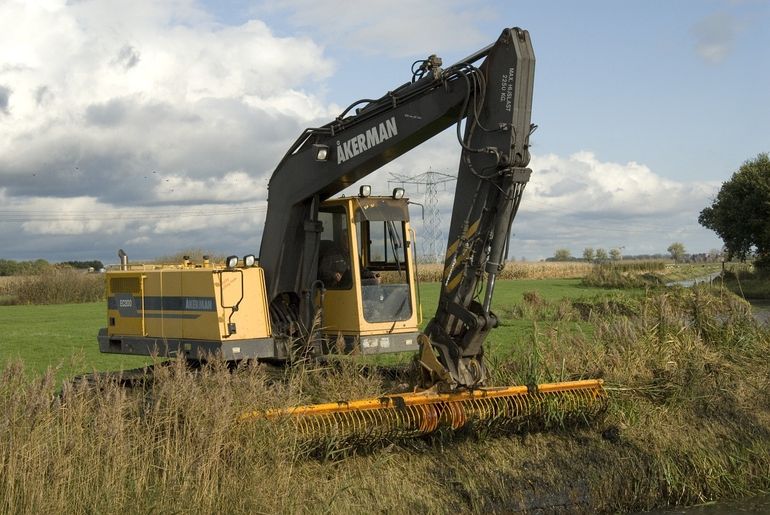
[494, 100]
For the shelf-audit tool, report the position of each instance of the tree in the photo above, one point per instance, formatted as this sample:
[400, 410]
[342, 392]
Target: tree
[601, 255]
[676, 250]
[562, 255]
[740, 214]
[84, 265]
[588, 254]
[715, 255]
[615, 254]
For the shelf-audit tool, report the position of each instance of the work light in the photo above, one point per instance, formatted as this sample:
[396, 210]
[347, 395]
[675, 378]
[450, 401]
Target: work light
[321, 152]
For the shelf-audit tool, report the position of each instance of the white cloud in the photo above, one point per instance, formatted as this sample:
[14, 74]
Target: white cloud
[154, 127]
[115, 116]
[76, 216]
[580, 201]
[577, 201]
[391, 27]
[232, 187]
[147, 82]
[582, 184]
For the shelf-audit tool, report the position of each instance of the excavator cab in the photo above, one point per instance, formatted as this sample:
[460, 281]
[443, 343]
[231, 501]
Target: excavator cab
[366, 264]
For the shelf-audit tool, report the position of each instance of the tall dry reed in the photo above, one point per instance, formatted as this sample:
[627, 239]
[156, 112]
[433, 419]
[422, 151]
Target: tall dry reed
[689, 421]
[55, 286]
[431, 272]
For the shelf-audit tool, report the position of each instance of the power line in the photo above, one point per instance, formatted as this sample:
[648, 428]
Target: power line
[430, 180]
[21, 215]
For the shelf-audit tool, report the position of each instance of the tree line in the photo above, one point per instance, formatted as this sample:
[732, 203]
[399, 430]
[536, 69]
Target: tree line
[676, 251]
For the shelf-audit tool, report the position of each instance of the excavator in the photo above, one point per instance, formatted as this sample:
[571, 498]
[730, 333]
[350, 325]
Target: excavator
[338, 275]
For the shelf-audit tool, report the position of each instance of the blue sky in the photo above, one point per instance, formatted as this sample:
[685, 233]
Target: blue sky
[624, 79]
[155, 129]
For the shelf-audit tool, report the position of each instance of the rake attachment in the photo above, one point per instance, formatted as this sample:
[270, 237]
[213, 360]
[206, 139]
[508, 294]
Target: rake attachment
[416, 414]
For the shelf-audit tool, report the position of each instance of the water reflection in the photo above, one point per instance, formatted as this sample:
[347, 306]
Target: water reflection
[761, 310]
[759, 504]
[686, 283]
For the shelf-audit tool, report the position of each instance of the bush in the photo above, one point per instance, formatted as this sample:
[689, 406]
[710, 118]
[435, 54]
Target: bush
[10, 267]
[622, 276]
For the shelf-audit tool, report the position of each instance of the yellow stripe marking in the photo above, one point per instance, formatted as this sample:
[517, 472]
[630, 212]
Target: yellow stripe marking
[470, 232]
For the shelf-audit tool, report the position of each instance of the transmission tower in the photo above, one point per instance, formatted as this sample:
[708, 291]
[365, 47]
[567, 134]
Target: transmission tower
[432, 247]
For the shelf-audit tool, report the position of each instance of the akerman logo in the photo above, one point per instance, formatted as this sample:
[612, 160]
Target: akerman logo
[199, 304]
[374, 136]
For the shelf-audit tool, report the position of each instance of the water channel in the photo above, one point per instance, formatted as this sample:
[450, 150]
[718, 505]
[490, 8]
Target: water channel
[751, 505]
[760, 308]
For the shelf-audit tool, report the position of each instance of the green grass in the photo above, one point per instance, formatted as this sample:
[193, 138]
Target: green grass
[62, 335]
[514, 335]
[683, 271]
[510, 292]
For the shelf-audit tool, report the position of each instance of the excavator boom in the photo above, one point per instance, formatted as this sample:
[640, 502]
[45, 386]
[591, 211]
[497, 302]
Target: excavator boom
[494, 99]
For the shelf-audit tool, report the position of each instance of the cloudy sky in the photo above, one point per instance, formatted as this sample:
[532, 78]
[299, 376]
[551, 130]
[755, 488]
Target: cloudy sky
[154, 126]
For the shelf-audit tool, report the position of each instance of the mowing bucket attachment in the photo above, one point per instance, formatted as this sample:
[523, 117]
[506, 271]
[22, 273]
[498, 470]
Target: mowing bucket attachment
[416, 414]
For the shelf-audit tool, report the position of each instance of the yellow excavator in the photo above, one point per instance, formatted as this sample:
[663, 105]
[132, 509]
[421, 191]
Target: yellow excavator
[337, 275]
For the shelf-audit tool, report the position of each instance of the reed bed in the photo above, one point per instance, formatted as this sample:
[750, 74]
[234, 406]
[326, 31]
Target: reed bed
[611, 276]
[688, 422]
[55, 285]
[431, 272]
[748, 283]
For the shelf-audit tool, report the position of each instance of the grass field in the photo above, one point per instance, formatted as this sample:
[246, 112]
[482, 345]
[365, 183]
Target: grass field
[64, 335]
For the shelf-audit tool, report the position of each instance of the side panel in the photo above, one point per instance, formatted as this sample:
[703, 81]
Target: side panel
[196, 304]
[125, 293]
[160, 288]
[200, 310]
[252, 318]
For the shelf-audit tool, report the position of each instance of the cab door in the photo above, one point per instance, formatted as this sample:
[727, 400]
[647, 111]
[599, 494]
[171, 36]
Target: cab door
[337, 253]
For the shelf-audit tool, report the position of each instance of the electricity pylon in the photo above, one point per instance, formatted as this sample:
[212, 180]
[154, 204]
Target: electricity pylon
[431, 248]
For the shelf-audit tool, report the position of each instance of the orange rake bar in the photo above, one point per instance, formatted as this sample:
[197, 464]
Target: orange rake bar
[415, 414]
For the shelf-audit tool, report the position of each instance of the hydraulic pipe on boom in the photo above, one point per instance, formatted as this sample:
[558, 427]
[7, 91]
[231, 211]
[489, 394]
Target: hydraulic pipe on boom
[494, 99]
